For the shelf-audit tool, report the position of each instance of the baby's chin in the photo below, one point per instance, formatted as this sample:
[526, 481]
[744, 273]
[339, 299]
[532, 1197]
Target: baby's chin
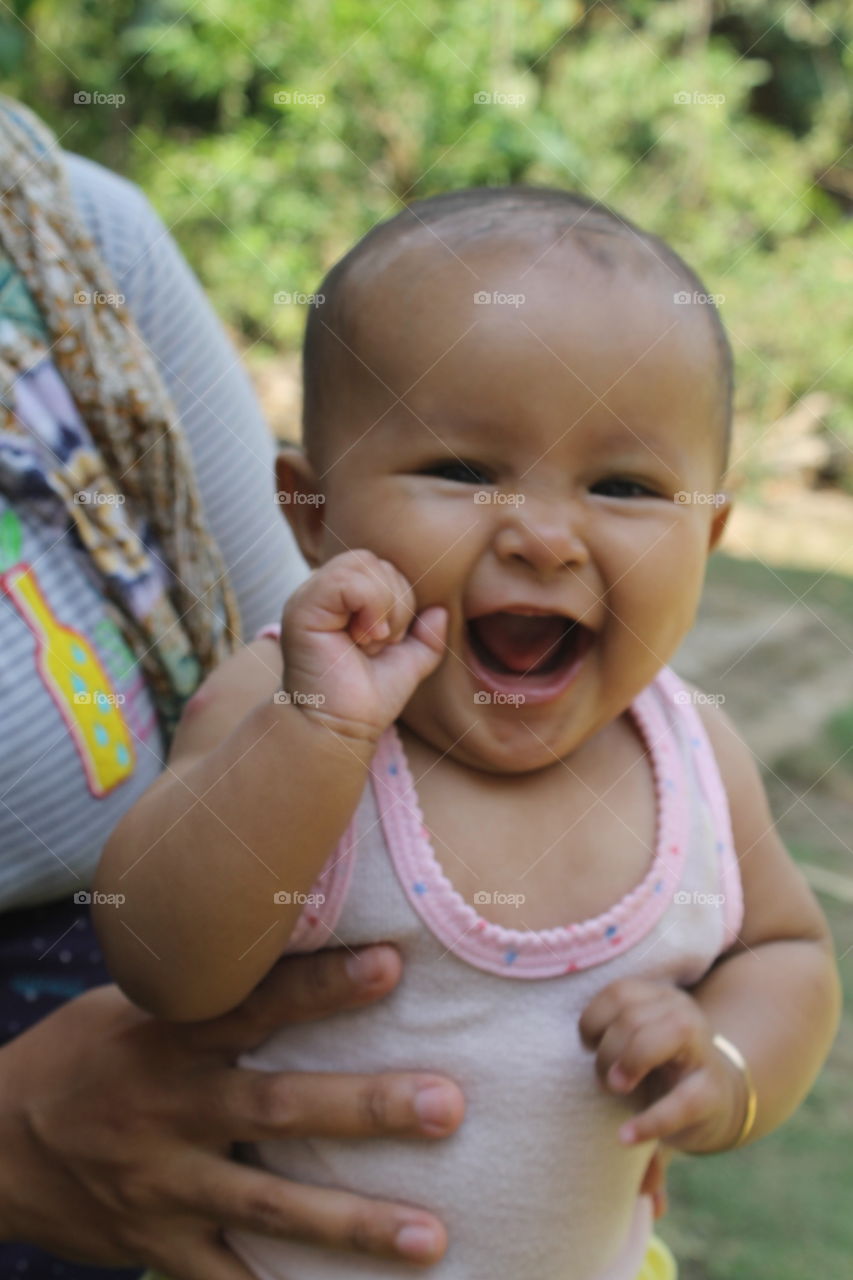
[500, 744]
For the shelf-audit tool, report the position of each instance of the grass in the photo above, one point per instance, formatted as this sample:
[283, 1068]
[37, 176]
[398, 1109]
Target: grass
[756, 579]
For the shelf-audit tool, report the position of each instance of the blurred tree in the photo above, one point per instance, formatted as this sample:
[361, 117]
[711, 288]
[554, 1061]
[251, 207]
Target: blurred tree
[271, 135]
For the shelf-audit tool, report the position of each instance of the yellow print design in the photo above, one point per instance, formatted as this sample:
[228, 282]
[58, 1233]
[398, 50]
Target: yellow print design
[78, 683]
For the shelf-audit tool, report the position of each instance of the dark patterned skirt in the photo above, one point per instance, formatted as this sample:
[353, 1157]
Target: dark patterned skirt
[48, 954]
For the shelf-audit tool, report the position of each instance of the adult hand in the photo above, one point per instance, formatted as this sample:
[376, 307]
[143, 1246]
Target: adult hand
[115, 1128]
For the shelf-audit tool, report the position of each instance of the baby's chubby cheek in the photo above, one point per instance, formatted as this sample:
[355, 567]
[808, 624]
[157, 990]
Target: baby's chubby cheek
[433, 576]
[672, 593]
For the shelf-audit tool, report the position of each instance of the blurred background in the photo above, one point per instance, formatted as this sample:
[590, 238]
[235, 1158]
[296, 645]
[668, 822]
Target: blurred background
[270, 136]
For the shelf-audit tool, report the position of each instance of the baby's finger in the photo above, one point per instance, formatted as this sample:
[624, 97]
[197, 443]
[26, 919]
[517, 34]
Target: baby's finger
[665, 1040]
[618, 1035]
[369, 626]
[404, 607]
[612, 1001]
[377, 597]
[430, 627]
[405, 665]
[685, 1106]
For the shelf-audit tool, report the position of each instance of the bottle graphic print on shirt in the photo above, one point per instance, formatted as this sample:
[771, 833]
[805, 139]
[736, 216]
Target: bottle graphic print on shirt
[71, 670]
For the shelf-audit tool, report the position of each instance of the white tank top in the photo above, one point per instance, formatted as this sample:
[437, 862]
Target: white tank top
[535, 1184]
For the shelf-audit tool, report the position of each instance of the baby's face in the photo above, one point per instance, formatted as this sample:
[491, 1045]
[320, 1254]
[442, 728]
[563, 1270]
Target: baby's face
[513, 456]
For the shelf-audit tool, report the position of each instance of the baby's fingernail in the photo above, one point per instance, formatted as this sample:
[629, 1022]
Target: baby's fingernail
[382, 630]
[617, 1077]
[416, 1240]
[627, 1133]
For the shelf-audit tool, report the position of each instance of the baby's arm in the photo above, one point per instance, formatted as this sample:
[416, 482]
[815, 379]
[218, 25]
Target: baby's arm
[775, 994]
[258, 791]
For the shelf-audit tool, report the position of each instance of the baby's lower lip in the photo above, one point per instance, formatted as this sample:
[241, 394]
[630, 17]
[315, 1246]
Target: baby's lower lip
[529, 690]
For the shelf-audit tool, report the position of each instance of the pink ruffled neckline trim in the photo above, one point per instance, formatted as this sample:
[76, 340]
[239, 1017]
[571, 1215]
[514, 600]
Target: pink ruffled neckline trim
[547, 952]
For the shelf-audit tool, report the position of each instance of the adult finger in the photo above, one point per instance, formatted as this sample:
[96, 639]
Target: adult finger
[301, 988]
[242, 1105]
[654, 1184]
[211, 1261]
[238, 1196]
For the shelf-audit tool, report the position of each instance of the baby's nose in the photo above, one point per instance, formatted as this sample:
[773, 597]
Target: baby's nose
[545, 536]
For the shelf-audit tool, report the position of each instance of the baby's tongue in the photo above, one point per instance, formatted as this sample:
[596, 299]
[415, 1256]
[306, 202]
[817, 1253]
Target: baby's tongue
[521, 643]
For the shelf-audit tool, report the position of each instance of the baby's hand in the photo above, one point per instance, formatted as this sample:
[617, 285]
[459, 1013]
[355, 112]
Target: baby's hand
[653, 1037]
[351, 658]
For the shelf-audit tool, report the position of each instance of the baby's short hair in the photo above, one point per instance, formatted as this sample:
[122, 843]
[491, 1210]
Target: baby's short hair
[480, 212]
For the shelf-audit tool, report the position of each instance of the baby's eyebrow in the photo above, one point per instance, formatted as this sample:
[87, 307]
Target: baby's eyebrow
[615, 443]
[630, 439]
[446, 429]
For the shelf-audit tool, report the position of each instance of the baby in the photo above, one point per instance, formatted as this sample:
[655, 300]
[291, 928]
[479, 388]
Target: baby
[466, 741]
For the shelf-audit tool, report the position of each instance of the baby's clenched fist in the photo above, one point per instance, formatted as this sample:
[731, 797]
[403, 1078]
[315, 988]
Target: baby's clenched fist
[354, 647]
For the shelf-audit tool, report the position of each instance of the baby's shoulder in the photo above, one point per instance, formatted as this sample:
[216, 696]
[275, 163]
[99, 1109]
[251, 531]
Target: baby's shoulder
[738, 769]
[728, 746]
[777, 900]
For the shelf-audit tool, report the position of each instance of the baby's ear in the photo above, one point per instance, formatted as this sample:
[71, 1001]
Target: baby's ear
[722, 511]
[300, 496]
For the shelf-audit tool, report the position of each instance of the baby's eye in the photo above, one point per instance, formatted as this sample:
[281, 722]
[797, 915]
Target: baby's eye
[464, 472]
[619, 488]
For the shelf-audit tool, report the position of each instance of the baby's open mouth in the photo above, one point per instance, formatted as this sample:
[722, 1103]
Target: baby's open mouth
[525, 644]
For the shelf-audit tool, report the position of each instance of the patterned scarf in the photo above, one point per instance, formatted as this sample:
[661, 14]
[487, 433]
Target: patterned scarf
[140, 521]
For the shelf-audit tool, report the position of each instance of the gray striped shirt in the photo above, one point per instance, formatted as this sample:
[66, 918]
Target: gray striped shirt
[52, 823]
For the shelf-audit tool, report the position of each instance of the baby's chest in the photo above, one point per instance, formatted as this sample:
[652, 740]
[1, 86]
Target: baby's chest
[543, 861]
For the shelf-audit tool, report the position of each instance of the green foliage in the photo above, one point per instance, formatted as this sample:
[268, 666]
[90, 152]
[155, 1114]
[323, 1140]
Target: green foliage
[270, 136]
[839, 731]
